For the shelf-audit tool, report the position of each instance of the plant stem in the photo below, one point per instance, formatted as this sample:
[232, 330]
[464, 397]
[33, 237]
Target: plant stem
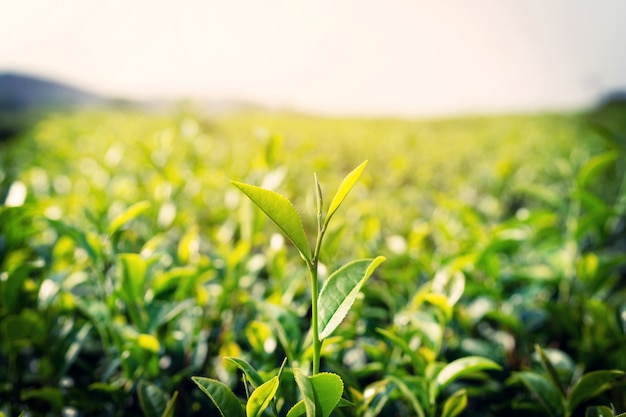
[317, 346]
[313, 265]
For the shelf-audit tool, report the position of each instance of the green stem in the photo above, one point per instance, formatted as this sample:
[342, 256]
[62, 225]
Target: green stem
[317, 345]
[313, 268]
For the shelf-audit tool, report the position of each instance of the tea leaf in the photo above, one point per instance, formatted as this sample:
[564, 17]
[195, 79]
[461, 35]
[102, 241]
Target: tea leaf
[409, 394]
[399, 342]
[599, 411]
[169, 408]
[280, 211]
[462, 367]
[133, 276]
[543, 389]
[455, 404]
[130, 213]
[345, 187]
[340, 291]
[594, 166]
[152, 399]
[549, 367]
[308, 393]
[592, 384]
[261, 397]
[223, 398]
[251, 374]
[322, 394]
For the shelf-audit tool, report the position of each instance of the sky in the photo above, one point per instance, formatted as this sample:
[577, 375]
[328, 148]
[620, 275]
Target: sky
[348, 57]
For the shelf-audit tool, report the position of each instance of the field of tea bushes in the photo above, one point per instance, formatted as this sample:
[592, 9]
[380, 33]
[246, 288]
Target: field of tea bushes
[129, 263]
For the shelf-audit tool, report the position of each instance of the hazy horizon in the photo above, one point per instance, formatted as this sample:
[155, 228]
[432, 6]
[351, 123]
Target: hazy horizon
[400, 57]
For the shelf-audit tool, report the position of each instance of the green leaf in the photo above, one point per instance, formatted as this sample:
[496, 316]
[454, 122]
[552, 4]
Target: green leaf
[151, 399]
[129, 214]
[599, 411]
[298, 409]
[280, 211]
[133, 276]
[169, 408]
[53, 396]
[261, 397]
[417, 362]
[328, 390]
[322, 394]
[344, 189]
[409, 394]
[549, 367]
[251, 374]
[455, 404]
[592, 384]
[340, 291]
[223, 398]
[544, 390]
[594, 166]
[461, 367]
[308, 392]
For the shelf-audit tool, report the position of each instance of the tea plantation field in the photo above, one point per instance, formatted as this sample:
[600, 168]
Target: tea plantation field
[130, 264]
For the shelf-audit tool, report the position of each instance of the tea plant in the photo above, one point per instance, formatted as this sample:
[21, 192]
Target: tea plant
[321, 392]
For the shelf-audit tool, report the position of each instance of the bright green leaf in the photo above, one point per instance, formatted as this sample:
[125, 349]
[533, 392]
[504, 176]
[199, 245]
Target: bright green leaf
[280, 211]
[223, 398]
[152, 399]
[261, 397]
[328, 390]
[344, 189]
[133, 276]
[251, 374]
[592, 384]
[130, 213]
[462, 367]
[340, 291]
[455, 404]
[322, 394]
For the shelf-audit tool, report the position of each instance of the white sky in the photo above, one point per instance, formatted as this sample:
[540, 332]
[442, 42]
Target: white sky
[405, 57]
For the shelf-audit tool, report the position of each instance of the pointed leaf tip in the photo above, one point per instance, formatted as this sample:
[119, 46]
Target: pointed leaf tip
[344, 189]
[281, 212]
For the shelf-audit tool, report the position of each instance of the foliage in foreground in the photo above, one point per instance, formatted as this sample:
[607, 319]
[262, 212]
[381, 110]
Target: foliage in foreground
[129, 264]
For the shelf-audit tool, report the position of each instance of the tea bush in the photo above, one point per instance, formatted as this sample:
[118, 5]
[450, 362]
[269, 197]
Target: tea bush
[129, 264]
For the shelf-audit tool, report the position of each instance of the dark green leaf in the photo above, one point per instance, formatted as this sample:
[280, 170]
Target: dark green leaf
[223, 398]
[152, 399]
[544, 390]
[599, 411]
[592, 384]
[251, 374]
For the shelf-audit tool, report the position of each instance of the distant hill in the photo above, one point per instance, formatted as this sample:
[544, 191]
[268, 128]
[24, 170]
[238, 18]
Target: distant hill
[24, 97]
[19, 92]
